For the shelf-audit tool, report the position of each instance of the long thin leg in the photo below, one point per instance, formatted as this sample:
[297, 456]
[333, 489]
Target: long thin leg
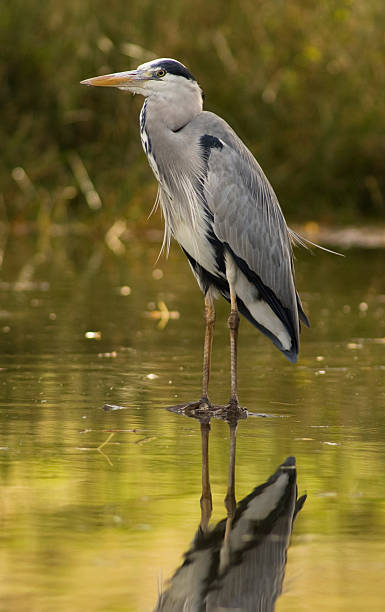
[233, 324]
[203, 406]
[210, 322]
[206, 498]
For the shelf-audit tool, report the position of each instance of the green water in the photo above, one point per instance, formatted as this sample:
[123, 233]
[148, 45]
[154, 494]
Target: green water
[87, 526]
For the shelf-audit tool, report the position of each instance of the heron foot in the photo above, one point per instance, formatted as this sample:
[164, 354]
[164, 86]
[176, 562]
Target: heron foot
[203, 406]
[234, 409]
[194, 409]
[204, 409]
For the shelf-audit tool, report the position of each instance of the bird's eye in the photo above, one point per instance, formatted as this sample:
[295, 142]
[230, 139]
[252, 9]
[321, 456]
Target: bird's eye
[160, 73]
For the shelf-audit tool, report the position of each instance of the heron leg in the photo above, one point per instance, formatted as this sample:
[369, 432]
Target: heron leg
[202, 407]
[233, 324]
[210, 322]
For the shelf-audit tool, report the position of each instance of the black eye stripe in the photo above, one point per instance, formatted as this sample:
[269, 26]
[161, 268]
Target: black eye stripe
[174, 67]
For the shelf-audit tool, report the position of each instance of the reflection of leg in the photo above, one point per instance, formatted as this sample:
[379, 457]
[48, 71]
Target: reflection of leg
[206, 499]
[233, 323]
[230, 501]
[210, 321]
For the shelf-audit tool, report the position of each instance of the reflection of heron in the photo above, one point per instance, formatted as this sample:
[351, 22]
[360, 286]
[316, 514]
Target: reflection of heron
[219, 206]
[239, 565]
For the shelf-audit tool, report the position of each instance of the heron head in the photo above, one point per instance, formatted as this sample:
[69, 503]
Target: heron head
[165, 77]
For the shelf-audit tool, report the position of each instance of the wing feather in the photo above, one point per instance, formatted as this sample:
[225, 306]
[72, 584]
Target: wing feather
[247, 217]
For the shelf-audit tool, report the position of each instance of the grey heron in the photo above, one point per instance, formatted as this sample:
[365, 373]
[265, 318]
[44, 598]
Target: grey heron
[219, 206]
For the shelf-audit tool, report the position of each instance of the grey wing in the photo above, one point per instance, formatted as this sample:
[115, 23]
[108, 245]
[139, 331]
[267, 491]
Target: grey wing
[248, 221]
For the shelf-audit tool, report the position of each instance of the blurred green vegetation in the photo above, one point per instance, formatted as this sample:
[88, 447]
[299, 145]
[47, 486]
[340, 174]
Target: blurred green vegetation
[301, 82]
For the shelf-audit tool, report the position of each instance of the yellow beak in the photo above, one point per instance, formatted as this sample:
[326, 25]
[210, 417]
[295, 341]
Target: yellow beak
[118, 79]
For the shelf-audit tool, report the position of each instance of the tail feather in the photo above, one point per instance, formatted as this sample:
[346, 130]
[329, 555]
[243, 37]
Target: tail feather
[208, 280]
[291, 354]
[301, 313]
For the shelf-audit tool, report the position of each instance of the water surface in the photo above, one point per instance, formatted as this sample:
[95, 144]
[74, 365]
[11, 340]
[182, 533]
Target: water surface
[97, 508]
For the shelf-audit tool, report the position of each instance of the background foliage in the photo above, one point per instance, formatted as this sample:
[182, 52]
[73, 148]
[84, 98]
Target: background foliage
[302, 83]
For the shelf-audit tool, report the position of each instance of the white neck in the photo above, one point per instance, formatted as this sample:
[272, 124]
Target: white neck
[176, 107]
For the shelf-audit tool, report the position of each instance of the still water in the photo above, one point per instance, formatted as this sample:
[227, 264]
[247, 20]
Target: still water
[98, 507]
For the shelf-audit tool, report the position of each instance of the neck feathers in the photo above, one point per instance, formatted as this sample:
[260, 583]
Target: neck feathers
[176, 107]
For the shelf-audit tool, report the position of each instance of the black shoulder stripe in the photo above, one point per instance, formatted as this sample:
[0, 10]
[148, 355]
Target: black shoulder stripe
[209, 142]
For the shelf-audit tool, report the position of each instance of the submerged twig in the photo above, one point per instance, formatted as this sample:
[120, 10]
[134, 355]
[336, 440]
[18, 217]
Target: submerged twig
[109, 437]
